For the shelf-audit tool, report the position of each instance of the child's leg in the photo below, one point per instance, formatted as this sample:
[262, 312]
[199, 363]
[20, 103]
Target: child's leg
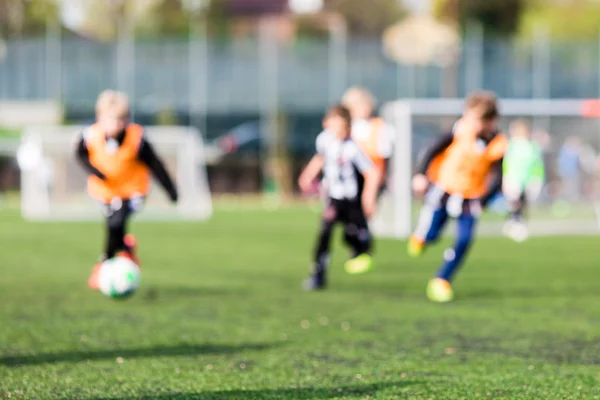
[515, 197]
[350, 235]
[431, 223]
[357, 235]
[454, 257]
[321, 253]
[116, 225]
[517, 207]
[356, 231]
[117, 215]
[429, 227]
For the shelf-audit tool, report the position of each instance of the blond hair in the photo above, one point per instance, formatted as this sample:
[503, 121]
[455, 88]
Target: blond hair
[357, 95]
[113, 103]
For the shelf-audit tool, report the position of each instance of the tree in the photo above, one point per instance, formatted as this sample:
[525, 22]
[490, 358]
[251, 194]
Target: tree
[25, 17]
[367, 18]
[576, 19]
[498, 17]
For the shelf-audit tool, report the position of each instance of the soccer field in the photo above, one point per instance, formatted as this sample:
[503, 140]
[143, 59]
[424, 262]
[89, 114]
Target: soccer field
[220, 315]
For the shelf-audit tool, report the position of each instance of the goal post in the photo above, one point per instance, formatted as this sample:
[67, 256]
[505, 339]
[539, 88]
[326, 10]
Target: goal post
[564, 208]
[53, 183]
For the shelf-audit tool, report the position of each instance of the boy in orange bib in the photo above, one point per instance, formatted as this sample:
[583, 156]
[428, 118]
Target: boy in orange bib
[374, 137]
[121, 162]
[459, 174]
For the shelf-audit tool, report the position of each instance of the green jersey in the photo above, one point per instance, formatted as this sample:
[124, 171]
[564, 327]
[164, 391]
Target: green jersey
[523, 162]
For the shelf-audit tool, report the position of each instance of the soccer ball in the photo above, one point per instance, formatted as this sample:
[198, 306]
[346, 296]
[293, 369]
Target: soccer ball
[119, 277]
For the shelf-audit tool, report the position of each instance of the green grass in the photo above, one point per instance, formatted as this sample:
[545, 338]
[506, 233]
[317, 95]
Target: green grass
[220, 316]
[9, 133]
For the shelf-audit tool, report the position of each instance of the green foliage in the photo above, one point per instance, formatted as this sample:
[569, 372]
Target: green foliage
[367, 18]
[9, 133]
[169, 17]
[220, 316]
[25, 17]
[576, 19]
[498, 17]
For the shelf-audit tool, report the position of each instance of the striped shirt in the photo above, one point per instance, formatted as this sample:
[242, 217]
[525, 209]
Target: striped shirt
[343, 162]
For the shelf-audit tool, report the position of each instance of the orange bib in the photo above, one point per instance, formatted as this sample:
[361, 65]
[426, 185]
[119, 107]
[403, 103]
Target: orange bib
[463, 168]
[370, 145]
[126, 176]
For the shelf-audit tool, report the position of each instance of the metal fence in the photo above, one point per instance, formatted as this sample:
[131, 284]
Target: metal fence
[225, 76]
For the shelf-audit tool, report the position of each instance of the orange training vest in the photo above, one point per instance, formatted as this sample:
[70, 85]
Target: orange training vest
[370, 145]
[463, 168]
[126, 176]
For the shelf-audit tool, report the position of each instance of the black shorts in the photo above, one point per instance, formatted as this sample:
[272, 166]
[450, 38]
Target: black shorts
[347, 212]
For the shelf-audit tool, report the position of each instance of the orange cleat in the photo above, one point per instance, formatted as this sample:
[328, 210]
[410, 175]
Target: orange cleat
[131, 244]
[93, 279]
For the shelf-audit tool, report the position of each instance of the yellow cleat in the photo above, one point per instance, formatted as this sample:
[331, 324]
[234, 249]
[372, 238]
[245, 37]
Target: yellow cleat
[359, 265]
[415, 247]
[439, 290]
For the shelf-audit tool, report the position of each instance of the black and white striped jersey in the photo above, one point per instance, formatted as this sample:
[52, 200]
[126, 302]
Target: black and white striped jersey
[343, 165]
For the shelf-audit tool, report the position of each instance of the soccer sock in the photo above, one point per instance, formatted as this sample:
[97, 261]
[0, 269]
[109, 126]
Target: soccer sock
[430, 225]
[454, 257]
[359, 240]
[115, 241]
[322, 250]
[116, 223]
[518, 209]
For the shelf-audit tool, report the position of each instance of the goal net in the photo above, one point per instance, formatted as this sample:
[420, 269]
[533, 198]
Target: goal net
[567, 130]
[53, 183]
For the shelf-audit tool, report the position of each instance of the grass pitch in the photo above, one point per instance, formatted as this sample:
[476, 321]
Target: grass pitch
[220, 315]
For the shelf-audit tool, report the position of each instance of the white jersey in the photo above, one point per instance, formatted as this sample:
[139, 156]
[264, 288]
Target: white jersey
[343, 161]
[361, 129]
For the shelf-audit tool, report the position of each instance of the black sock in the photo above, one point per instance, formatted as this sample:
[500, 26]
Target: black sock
[322, 250]
[116, 228]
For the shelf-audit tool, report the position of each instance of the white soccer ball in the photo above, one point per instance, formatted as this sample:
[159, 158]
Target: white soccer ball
[119, 277]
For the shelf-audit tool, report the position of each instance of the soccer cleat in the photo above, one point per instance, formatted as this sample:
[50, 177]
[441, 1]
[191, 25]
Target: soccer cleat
[131, 244]
[416, 246]
[93, 279]
[314, 282]
[359, 264]
[439, 290]
[516, 230]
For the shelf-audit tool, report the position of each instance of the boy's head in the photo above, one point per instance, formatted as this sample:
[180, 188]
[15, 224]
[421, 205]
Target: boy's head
[112, 112]
[519, 129]
[481, 110]
[338, 121]
[360, 102]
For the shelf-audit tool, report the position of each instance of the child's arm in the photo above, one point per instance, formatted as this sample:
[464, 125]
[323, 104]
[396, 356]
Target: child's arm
[369, 196]
[83, 156]
[420, 181]
[372, 176]
[495, 185]
[149, 157]
[310, 173]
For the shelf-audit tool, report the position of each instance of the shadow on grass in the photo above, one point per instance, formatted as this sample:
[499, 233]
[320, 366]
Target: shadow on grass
[137, 352]
[176, 292]
[347, 392]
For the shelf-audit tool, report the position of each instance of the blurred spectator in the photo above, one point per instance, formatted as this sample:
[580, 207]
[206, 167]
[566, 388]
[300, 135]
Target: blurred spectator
[543, 139]
[569, 168]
